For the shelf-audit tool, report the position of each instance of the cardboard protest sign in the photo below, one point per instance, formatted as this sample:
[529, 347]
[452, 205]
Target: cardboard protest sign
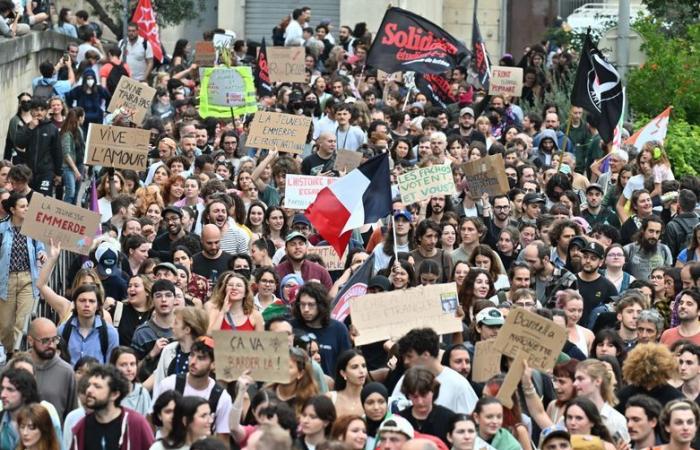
[118, 147]
[286, 64]
[379, 317]
[133, 95]
[72, 226]
[265, 353]
[487, 361]
[329, 256]
[506, 81]
[226, 91]
[204, 53]
[301, 190]
[420, 184]
[512, 379]
[487, 174]
[347, 160]
[223, 40]
[540, 338]
[283, 132]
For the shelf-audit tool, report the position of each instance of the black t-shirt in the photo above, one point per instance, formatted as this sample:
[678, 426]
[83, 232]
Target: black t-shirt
[129, 322]
[594, 293]
[103, 436]
[204, 266]
[437, 423]
[115, 285]
[314, 164]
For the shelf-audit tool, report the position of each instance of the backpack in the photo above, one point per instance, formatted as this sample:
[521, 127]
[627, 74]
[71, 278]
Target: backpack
[114, 76]
[44, 91]
[101, 331]
[214, 395]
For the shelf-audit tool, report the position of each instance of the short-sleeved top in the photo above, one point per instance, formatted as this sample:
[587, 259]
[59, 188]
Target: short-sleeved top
[672, 335]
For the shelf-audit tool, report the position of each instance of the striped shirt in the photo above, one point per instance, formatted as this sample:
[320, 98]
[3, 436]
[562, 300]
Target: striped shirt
[235, 240]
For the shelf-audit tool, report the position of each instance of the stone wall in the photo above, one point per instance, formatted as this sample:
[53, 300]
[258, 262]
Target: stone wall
[19, 64]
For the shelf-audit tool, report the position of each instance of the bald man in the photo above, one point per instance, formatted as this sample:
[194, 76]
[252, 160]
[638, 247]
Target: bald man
[54, 376]
[211, 261]
[322, 161]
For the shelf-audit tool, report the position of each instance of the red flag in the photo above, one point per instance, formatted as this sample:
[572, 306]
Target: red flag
[145, 18]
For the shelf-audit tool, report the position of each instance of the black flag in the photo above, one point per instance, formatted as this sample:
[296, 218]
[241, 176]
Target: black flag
[407, 42]
[482, 65]
[356, 286]
[598, 89]
[262, 74]
[436, 88]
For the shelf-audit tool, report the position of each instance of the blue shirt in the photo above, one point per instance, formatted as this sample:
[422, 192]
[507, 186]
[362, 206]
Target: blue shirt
[62, 87]
[79, 346]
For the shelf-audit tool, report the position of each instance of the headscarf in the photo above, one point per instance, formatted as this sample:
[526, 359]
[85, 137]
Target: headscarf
[293, 294]
[369, 389]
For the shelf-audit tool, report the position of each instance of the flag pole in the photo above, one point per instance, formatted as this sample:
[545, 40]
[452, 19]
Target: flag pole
[568, 129]
[393, 230]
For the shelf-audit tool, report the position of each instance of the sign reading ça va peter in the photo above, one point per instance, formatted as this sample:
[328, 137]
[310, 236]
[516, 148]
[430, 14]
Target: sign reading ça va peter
[72, 226]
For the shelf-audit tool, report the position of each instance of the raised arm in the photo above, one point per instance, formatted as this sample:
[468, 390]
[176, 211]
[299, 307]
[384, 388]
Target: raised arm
[533, 401]
[234, 417]
[60, 304]
[269, 159]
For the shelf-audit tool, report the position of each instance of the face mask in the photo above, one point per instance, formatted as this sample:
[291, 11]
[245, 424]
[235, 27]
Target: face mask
[310, 104]
[24, 106]
[90, 82]
[243, 272]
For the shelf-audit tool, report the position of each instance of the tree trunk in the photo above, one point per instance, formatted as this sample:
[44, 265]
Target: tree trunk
[115, 27]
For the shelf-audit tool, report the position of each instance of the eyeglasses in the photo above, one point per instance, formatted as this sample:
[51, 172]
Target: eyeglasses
[49, 340]
[267, 281]
[502, 207]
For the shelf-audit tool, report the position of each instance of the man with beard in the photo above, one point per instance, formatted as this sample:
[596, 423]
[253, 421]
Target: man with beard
[518, 278]
[547, 279]
[466, 125]
[17, 389]
[595, 213]
[628, 309]
[162, 245]
[345, 39]
[427, 235]
[295, 246]
[437, 206]
[647, 253]
[211, 260]
[54, 377]
[595, 289]
[689, 329]
[233, 239]
[642, 413]
[575, 255]
[498, 221]
[560, 235]
[110, 426]
[202, 138]
[197, 381]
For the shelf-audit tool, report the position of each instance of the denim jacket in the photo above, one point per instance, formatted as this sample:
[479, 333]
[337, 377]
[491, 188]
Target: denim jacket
[34, 247]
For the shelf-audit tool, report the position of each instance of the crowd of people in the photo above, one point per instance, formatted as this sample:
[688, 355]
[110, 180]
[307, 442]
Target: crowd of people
[603, 241]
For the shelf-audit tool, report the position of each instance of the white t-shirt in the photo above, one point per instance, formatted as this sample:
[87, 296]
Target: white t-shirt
[455, 392]
[635, 183]
[136, 57]
[614, 421]
[223, 408]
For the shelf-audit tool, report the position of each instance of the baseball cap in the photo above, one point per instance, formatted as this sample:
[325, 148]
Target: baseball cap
[595, 248]
[167, 266]
[403, 213]
[300, 218]
[381, 282]
[594, 186]
[466, 110]
[532, 197]
[294, 235]
[418, 105]
[557, 430]
[396, 424]
[490, 316]
[107, 257]
[172, 209]
[578, 241]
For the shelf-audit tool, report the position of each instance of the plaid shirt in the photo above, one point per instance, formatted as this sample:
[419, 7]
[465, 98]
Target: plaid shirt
[547, 289]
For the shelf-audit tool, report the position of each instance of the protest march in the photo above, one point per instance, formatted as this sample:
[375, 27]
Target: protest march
[341, 238]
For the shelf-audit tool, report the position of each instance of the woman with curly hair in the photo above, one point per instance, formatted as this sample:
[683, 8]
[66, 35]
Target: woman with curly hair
[106, 193]
[174, 189]
[231, 306]
[647, 370]
[485, 258]
[478, 285]
[145, 196]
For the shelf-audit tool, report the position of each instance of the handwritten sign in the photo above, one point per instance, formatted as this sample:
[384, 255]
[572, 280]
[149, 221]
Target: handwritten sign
[227, 87]
[329, 256]
[204, 53]
[540, 338]
[265, 353]
[506, 81]
[420, 184]
[284, 132]
[119, 147]
[389, 315]
[223, 40]
[347, 160]
[133, 95]
[72, 226]
[487, 174]
[286, 64]
[487, 361]
[301, 190]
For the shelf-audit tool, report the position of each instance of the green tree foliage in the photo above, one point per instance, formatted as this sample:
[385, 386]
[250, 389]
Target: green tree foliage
[674, 15]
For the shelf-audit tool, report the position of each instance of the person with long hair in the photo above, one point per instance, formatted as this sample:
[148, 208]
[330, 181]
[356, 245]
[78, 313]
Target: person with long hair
[401, 226]
[350, 376]
[126, 361]
[136, 310]
[460, 270]
[36, 430]
[350, 429]
[512, 417]
[106, 192]
[20, 257]
[315, 422]
[462, 434]
[73, 148]
[21, 119]
[508, 246]
[448, 237]
[478, 285]
[608, 342]
[642, 208]
[174, 189]
[192, 421]
[275, 226]
[647, 370]
[488, 416]
[301, 385]
[162, 412]
[232, 307]
[197, 286]
[402, 275]
[485, 258]
[265, 300]
[255, 217]
[571, 302]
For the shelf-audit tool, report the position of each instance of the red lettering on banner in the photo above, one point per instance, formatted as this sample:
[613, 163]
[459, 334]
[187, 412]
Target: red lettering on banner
[415, 39]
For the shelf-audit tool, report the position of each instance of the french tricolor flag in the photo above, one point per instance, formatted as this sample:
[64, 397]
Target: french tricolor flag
[361, 197]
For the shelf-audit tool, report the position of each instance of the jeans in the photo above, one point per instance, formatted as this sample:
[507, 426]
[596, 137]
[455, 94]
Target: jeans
[70, 186]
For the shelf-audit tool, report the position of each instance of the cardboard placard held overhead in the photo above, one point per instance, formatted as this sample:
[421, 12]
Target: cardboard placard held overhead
[223, 40]
[265, 353]
[421, 184]
[72, 226]
[227, 86]
[204, 53]
[540, 338]
[286, 64]
[487, 361]
[118, 147]
[301, 190]
[487, 174]
[347, 160]
[329, 256]
[284, 132]
[133, 95]
[506, 81]
[390, 315]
